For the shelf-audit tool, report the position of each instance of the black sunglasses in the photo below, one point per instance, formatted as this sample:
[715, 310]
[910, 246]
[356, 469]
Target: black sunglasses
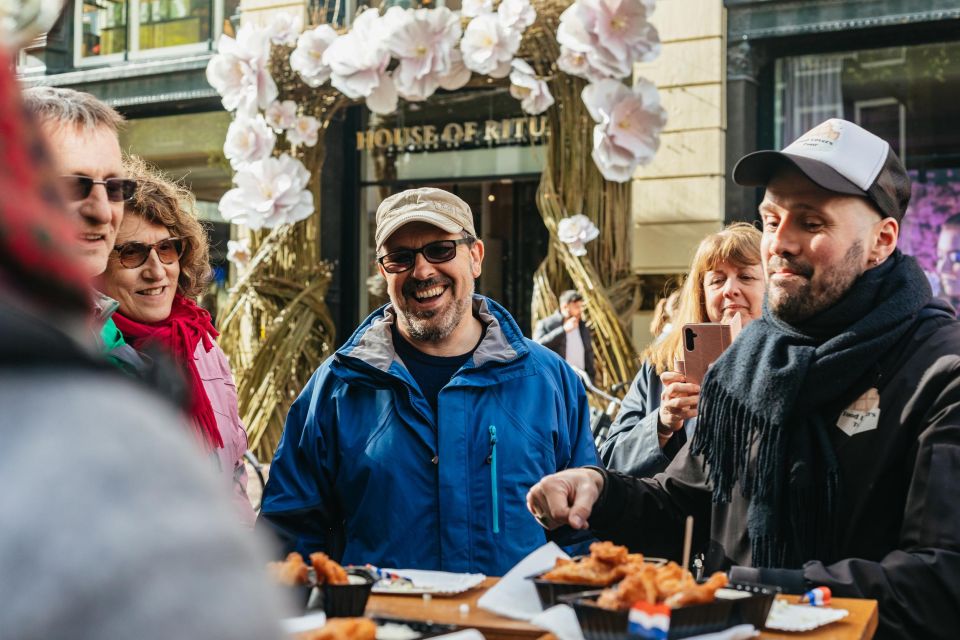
[434, 252]
[79, 187]
[134, 254]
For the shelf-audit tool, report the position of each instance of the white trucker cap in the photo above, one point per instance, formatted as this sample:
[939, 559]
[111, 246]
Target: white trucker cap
[839, 156]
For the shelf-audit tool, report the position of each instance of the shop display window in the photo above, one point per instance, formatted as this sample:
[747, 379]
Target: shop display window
[906, 95]
[118, 28]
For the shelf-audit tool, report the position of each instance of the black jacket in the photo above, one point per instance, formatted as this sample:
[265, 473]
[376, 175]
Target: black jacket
[549, 332]
[899, 523]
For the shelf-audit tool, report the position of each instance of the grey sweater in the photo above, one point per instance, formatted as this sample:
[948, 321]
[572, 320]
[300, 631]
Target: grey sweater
[113, 527]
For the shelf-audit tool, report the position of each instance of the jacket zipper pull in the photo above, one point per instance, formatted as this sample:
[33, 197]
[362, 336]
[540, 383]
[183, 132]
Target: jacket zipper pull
[492, 461]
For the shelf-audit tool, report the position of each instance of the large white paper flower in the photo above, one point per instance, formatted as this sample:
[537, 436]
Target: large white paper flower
[358, 59]
[575, 63]
[422, 41]
[282, 115]
[307, 58]
[488, 46]
[613, 34]
[304, 131]
[240, 71]
[238, 252]
[531, 91]
[458, 74]
[473, 8]
[629, 122]
[248, 140]
[284, 28]
[516, 14]
[575, 231]
[269, 193]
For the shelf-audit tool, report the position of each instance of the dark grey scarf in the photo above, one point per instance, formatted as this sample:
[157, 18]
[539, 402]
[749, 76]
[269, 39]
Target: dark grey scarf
[764, 404]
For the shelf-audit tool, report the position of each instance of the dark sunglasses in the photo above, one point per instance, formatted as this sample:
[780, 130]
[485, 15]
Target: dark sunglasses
[79, 187]
[134, 254]
[434, 252]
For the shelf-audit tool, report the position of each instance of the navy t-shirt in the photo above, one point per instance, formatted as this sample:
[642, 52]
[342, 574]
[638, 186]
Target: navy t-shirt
[432, 373]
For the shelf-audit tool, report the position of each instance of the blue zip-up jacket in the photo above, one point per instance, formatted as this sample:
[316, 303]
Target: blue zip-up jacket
[366, 472]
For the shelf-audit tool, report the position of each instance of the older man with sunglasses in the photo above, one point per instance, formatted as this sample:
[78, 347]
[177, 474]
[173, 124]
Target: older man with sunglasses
[81, 135]
[414, 445]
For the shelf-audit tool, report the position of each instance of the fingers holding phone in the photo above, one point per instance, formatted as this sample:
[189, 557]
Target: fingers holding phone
[679, 401]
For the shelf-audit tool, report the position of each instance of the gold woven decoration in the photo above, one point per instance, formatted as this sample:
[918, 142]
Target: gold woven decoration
[277, 328]
[571, 184]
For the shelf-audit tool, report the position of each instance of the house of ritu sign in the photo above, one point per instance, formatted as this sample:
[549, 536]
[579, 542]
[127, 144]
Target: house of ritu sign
[469, 133]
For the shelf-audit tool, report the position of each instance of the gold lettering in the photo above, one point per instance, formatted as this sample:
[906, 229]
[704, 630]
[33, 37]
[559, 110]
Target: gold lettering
[505, 126]
[518, 132]
[469, 131]
[538, 125]
[361, 140]
[398, 138]
[416, 136]
[452, 134]
[382, 138]
[491, 131]
[430, 135]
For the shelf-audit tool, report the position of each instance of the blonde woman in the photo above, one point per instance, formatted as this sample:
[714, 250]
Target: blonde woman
[659, 412]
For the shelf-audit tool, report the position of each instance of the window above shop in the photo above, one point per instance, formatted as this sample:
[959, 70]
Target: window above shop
[110, 30]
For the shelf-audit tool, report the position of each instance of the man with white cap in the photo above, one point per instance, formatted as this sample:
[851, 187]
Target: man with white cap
[415, 444]
[829, 438]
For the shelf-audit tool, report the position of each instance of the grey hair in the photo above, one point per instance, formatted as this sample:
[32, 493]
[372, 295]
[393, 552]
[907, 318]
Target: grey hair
[68, 106]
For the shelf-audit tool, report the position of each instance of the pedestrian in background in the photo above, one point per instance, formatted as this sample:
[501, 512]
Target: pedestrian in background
[565, 333]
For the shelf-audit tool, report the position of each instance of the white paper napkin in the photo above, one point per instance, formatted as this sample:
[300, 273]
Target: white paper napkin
[516, 597]
[300, 624]
[466, 634]
[561, 621]
[436, 582]
[740, 632]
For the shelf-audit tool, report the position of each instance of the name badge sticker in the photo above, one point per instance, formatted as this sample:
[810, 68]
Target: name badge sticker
[861, 416]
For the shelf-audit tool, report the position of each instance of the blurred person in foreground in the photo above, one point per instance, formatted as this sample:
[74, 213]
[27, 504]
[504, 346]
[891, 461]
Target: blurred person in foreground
[659, 413]
[414, 445]
[97, 542]
[158, 266]
[829, 439]
[565, 333]
[81, 136]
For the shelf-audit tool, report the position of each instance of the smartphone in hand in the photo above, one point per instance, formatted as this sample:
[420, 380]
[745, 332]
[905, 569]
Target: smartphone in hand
[702, 345]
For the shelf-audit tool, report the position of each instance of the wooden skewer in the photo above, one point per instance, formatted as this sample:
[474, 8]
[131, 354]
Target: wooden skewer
[687, 541]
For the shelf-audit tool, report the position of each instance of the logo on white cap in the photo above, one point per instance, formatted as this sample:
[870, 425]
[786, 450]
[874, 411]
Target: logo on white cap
[851, 151]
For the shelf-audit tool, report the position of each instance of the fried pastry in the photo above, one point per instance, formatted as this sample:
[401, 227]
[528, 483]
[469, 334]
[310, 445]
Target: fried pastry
[343, 629]
[292, 571]
[605, 565]
[328, 571]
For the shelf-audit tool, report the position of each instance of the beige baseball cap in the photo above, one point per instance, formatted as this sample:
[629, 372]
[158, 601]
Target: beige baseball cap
[434, 206]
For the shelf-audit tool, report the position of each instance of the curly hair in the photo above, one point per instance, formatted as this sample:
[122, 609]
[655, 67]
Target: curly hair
[169, 204]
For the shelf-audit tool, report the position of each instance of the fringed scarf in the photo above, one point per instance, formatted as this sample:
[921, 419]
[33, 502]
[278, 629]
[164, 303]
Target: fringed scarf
[179, 335]
[765, 409]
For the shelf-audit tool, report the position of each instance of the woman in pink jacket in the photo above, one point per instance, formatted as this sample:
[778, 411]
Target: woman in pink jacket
[156, 270]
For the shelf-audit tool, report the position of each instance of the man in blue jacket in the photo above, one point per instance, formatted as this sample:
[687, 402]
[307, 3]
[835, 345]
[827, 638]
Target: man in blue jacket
[415, 444]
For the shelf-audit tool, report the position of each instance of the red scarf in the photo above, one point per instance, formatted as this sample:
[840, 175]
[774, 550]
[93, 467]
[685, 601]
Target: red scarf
[179, 335]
